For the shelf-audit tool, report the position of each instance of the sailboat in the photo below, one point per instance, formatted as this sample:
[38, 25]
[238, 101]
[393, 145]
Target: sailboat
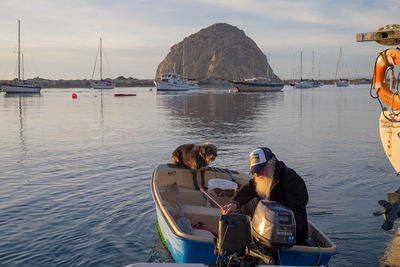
[341, 82]
[19, 86]
[103, 83]
[302, 83]
[315, 83]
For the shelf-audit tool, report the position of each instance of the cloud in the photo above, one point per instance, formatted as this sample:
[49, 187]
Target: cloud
[137, 35]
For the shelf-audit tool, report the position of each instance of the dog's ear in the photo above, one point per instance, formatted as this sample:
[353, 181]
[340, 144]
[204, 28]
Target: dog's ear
[203, 151]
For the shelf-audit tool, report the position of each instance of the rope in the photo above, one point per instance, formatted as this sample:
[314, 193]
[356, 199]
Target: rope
[320, 257]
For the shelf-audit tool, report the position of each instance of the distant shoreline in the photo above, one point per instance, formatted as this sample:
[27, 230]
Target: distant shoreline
[134, 82]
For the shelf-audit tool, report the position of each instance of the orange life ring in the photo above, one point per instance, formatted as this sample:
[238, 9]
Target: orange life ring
[386, 59]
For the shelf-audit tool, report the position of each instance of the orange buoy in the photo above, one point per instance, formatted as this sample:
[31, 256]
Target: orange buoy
[74, 96]
[386, 59]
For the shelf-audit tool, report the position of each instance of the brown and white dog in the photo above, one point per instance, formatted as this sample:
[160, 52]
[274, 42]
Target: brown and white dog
[195, 157]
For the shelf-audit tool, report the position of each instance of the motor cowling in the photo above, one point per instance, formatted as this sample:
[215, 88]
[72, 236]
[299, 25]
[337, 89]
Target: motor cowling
[273, 225]
[234, 234]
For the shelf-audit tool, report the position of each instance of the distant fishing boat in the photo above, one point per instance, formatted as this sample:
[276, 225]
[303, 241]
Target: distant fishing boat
[172, 82]
[103, 83]
[19, 86]
[340, 82]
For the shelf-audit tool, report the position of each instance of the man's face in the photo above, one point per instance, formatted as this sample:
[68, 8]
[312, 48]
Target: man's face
[262, 173]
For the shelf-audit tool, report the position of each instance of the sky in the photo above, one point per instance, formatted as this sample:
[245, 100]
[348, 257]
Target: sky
[60, 39]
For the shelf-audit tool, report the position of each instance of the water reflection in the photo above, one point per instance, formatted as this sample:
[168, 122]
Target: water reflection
[216, 113]
[392, 254]
[19, 103]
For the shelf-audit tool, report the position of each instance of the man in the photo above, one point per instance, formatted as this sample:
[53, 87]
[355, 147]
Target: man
[274, 181]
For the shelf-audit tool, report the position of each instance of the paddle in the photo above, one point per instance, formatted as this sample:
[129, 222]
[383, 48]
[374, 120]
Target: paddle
[211, 197]
[183, 222]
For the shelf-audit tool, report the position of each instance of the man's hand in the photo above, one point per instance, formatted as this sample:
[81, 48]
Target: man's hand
[229, 208]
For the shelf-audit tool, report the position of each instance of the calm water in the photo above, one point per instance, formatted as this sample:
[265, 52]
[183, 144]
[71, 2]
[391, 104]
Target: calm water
[75, 173]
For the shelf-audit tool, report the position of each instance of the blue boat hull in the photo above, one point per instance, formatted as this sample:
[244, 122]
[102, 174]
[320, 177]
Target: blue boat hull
[184, 250]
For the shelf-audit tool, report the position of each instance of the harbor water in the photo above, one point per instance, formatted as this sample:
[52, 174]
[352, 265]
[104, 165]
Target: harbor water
[75, 173]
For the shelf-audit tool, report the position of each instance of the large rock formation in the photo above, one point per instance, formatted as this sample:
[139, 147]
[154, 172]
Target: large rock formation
[220, 51]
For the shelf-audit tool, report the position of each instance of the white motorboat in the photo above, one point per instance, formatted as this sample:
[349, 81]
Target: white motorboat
[173, 82]
[103, 83]
[19, 86]
[257, 84]
[303, 84]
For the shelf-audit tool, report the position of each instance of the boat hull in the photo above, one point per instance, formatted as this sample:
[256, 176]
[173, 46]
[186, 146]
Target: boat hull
[166, 86]
[341, 84]
[20, 89]
[251, 87]
[184, 250]
[103, 86]
[303, 85]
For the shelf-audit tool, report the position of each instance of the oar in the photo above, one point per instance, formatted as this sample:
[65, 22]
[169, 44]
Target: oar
[183, 222]
[211, 197]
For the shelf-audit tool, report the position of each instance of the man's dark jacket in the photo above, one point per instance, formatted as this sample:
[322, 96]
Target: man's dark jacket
[290, 191]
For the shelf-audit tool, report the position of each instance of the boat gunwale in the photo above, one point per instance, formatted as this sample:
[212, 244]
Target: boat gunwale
[167, 215]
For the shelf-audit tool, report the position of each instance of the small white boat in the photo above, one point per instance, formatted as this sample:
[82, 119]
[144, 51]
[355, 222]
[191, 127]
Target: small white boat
[193, 84]
[172, 82]
[257, 84]
[103, 83]
[179, 206]
[341, 83]
[19, 86]
[303, 84]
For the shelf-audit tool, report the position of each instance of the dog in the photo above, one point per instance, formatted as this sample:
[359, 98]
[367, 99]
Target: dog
[195, 157]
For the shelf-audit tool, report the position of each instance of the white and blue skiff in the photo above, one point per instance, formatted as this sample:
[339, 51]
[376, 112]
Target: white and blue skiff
[198, 246]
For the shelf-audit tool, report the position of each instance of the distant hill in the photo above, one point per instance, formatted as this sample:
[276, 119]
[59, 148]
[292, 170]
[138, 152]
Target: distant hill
[220, 51]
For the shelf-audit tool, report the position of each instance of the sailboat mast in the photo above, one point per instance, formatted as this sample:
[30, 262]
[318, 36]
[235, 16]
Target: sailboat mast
[340, 63]
[101, 61]
[301, 65]
[183, 61]
[312, 66]
[19, 50]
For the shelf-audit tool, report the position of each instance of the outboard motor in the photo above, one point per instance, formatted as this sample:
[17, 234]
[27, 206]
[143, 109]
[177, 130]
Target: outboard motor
[235, 241]
[273, 225]
[234, 234]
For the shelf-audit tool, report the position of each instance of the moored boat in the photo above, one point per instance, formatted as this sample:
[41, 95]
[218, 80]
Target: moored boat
[172, 82]
[103, 83]
[302, 84]
[341, 83]
[257, 84]
[19, 86]
[170, 183]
